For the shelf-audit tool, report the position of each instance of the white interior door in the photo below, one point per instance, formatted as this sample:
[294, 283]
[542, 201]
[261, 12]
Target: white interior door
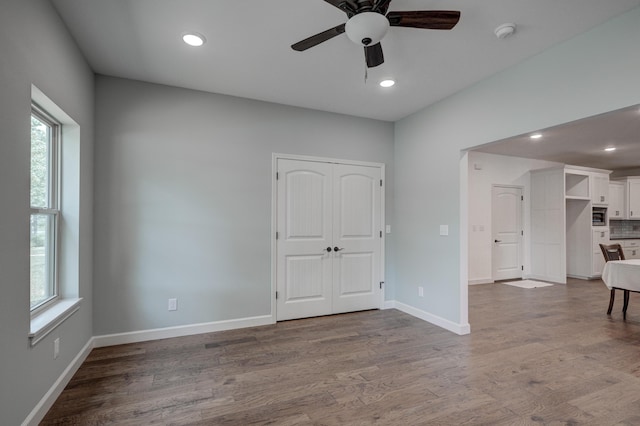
[356, 235]
[304, 270]
[506, 225]
[322, 207]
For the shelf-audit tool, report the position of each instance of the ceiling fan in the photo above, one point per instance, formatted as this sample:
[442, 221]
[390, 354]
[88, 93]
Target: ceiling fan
[369, 21]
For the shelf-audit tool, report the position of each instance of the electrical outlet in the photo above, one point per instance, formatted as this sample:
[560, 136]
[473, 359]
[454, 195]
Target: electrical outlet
[56, 348]
[421, 291]
[173, 304]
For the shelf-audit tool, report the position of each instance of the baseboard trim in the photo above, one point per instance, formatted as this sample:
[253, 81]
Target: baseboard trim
[389, 304]
[460, 329]
[583, 277]
[180, 331]
[41, 409]
[542, 278]
[481, 281]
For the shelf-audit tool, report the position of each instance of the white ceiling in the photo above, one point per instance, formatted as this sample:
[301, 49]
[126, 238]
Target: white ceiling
[582, 142]
[248, 51]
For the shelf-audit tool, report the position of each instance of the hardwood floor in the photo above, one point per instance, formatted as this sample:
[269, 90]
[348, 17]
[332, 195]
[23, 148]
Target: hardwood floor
[542, 356]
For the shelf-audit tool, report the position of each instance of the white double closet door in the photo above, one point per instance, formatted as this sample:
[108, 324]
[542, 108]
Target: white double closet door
[329, 241]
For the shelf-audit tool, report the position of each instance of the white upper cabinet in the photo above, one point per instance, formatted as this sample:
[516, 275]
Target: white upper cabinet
[630, 205]
[599, 189]
[617, 200]
[633, 201]
[582, 183]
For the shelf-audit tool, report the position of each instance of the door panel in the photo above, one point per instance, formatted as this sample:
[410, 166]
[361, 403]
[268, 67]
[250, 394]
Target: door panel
[357, 199]
[320, 206]
[506, 232]
[356, 273]
[357, 227]
[304, 275]
[306, 197]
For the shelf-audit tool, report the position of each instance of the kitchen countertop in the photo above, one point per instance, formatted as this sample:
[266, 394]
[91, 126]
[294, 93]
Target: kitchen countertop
[612, 238]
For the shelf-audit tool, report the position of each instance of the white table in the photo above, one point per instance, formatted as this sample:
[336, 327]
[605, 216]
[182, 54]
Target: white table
[623, 275]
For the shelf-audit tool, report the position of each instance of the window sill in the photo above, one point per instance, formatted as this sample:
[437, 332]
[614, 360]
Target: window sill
[45, 322]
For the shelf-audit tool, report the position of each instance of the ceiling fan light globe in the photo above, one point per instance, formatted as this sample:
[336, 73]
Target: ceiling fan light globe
[367, 28]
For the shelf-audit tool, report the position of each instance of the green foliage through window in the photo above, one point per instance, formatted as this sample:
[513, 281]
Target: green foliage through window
[39, 162]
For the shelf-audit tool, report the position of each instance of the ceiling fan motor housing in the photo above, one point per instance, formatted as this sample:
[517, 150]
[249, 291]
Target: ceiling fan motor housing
[367, 28]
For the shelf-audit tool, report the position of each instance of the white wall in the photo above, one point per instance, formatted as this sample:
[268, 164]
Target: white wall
[494, 170]
[590, 74]
[35, 48]
[183, 199]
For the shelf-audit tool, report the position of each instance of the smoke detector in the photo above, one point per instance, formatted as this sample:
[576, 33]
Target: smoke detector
[505, 30]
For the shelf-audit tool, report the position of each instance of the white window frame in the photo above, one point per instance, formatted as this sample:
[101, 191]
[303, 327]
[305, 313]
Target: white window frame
[52, 208]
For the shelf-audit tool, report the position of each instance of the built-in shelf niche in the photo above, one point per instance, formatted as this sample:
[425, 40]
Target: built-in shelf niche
[576, 186]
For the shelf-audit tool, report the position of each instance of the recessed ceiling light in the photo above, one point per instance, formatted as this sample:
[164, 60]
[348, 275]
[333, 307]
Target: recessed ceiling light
[611, 148]
[536, 136]
[387, 83]
[193, 39]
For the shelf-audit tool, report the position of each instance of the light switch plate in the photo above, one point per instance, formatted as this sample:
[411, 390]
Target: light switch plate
[444, 229]
[173, 304]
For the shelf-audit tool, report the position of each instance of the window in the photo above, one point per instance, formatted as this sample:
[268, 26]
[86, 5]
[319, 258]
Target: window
[54, 217]
[45, 209]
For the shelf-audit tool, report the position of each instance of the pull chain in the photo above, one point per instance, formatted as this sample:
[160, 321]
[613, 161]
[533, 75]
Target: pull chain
[366, 69]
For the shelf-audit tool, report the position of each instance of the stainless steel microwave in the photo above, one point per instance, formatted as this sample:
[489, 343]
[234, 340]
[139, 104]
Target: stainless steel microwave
[599, 216]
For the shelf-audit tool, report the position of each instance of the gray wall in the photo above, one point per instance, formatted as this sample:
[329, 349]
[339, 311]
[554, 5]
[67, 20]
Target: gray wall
[35, 48]
[590, 74]
[183, 198]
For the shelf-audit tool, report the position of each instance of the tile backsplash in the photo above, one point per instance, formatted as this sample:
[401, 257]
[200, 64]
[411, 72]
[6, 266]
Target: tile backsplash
[624, 229]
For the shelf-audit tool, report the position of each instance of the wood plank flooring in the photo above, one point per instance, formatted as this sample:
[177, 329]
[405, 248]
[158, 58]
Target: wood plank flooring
[545, 356]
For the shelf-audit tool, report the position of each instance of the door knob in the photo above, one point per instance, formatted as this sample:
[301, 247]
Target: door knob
[497, 241]
[328, 249]
[336, 248]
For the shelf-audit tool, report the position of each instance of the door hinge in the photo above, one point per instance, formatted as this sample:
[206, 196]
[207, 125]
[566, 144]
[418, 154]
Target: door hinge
[381, 282]
[277, 175]
[522, 267]
[380, 182]
[277, 235]
[276, 294]
[380, 234]
[522, 233]
[522, 198]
